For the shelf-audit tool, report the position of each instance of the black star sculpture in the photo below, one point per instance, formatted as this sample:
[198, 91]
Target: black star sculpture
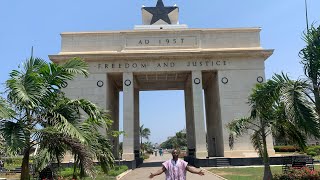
[160, 12]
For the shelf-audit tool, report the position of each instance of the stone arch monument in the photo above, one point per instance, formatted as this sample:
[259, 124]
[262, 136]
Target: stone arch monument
[164, 55]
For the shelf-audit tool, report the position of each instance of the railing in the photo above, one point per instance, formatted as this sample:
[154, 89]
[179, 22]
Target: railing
[297, 162]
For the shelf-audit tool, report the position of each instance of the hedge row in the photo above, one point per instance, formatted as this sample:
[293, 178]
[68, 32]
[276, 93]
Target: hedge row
[286, 148]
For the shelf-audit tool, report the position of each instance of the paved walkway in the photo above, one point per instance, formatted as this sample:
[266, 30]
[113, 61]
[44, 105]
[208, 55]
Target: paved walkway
[154, 163]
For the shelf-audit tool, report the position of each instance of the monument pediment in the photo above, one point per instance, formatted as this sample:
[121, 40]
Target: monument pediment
[180, 42]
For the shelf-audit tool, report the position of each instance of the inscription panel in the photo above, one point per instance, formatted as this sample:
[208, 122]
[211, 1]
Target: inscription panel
[175, 65]
[161, 42]
[142, 66]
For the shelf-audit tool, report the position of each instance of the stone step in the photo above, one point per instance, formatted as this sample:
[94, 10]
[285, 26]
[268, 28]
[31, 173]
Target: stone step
[223, 162]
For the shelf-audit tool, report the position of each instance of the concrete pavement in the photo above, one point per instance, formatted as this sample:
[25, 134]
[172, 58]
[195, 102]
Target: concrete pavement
[154, 163]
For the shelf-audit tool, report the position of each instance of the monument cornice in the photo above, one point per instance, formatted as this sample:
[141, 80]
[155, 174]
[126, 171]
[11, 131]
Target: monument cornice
[153, 55]
[152, 31]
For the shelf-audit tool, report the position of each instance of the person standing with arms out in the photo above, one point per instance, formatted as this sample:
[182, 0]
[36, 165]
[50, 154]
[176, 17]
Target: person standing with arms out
[175, 168]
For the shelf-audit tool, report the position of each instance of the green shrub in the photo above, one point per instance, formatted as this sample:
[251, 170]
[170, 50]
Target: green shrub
[11, 163]
[117, 170]
[312, 153]
[67, 173]
[313, 150]
[145, 156]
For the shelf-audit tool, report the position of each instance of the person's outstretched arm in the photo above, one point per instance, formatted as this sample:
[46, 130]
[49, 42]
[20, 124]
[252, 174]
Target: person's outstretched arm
[194, 171]
[160, 171]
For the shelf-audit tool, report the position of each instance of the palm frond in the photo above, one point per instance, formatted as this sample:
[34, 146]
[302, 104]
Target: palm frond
[95, 114]
[58, 143]
[76, 66]
[25, 91]
[99, 144]
[56, 75]
[33, 65]
[5, 110]
[298, 110]
[13, 133]
[256, 141]
[103, 152]
[42, 159]
[240, 126]
[61, 124]
[27, 88]
[83, 153]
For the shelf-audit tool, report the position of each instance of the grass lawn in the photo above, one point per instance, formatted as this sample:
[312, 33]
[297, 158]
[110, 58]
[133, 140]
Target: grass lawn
[316, 157]
[17, 176]
[10, 175]
[66, 174]
[101, 177]
[247, 173]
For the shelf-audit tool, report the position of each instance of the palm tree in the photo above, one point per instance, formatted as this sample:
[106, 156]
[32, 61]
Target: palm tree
[310, 56]
[144, 133]
[147, 146]
[55, 144]
[42, 111]
[282, 104]
[5, 112]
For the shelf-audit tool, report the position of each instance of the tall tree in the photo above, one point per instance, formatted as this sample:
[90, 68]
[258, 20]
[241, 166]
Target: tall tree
[147, 146]
[34, 93]
[181, 139]
[177, 141]
[282, 104]
[144, 133]
[5, 113]
[310, 56]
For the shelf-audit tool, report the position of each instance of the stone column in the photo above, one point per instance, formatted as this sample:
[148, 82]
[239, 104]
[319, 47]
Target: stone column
[112, 108]
[128, 116]
[213, 117]
[136, 123]
[189, 117]
[200, 133]
[115, 125]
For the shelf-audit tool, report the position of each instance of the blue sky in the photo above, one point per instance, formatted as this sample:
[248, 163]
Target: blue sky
[38, 23]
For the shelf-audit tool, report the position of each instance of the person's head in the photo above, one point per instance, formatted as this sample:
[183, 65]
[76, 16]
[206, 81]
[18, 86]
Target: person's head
[175, 154]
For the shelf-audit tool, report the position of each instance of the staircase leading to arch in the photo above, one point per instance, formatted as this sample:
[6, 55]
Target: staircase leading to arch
[221, 162]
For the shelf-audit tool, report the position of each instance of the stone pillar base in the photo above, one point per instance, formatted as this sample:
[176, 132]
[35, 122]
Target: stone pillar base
[201, 154]
[128, 156]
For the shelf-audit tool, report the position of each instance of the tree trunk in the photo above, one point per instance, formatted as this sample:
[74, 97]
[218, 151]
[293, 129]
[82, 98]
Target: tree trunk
[82, 173]
[25, 164]
[267, 170]
[316, 98]
[74, 175]
[141, 147]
